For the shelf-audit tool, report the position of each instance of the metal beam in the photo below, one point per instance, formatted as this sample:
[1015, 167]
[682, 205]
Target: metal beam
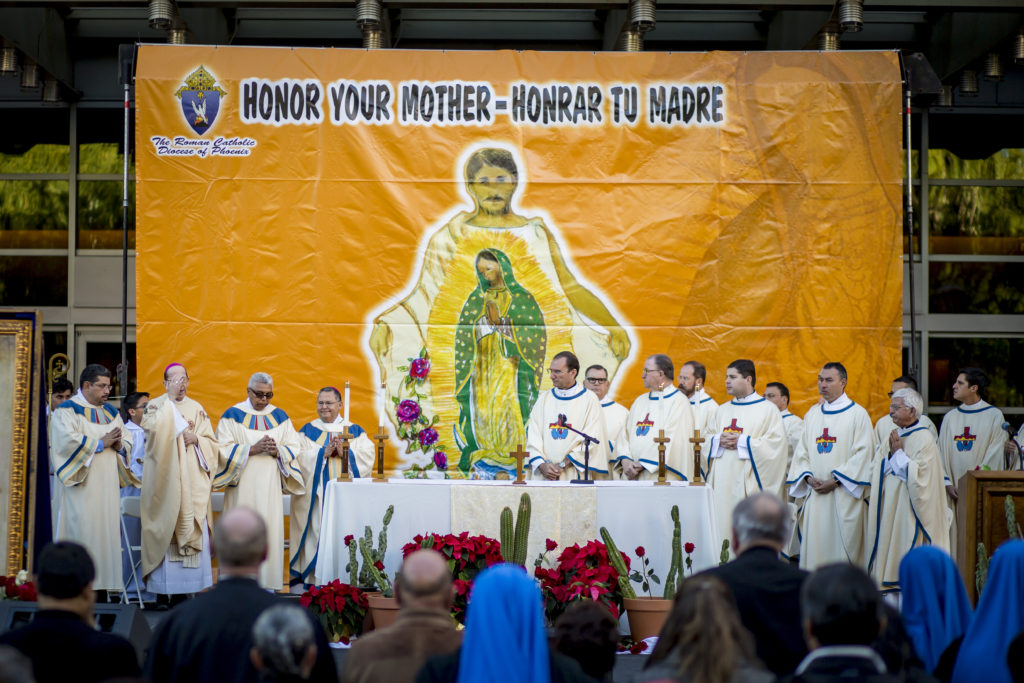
[960, 38]
[39, 33]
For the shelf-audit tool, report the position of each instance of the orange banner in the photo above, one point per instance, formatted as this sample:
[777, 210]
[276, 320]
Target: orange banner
[348, 215]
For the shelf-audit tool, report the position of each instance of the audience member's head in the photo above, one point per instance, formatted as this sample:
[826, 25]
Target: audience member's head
[505, 607]
[935, 607]
[761, 520]
[703, 635]
[239, 541]
[60, 391]
[424, 582]
[64, 576]
[284, 646]
[14, 666]
[588, 633]
[840, 606]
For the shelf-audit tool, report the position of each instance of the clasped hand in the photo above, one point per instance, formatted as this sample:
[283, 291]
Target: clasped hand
[822, 485]
[264, 445]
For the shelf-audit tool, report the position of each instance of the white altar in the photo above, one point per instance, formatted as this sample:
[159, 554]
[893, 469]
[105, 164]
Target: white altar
[635, 513]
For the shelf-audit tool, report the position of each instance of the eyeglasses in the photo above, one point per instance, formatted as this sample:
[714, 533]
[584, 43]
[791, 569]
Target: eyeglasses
[324, 404]
[647, 372]
[262, 395]
[597, 380]
[178, 380]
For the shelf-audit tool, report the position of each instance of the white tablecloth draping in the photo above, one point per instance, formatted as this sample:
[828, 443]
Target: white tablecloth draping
[635, 513]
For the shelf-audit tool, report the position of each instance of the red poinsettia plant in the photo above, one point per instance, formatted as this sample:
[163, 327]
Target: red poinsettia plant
[340, 608]
[581, 573]
[467, 556]
[17, 588]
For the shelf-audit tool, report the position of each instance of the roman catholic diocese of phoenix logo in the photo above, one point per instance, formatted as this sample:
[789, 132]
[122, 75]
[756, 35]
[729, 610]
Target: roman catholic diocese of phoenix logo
[200, 99]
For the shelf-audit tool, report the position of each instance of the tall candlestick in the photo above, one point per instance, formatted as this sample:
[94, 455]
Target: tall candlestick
[345, 418]
[381, 403]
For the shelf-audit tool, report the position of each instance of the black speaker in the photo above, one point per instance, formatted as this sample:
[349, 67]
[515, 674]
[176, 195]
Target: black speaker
[126, 621]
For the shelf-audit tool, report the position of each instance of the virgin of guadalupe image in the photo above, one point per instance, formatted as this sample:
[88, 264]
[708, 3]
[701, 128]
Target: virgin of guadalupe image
[499, 359]
[486, 361]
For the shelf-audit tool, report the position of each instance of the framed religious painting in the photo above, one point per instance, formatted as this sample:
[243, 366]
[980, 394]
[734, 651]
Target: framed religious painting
[20, 365]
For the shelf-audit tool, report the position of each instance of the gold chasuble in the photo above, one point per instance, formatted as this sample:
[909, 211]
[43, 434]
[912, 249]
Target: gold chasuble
[317, 471]
[176, 482]
[89, 477]
[546, 441]
[650, 414]
[907, 506]
[258, 481]
[758, 463]
[837, 443]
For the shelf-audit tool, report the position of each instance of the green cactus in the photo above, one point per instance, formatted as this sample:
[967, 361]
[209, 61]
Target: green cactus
[522, 533]
[365, 578]
[615, 557]
[1011, 518]
[507, 543]
[724, 558]
[353, 564]
[379, 577]
[675, 570]
[428, 542]
[981, 569]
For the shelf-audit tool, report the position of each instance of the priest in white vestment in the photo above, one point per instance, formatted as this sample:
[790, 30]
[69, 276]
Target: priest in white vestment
[971, 436]
[615, 414]
[885, 425]
[88, 448]
[778, 393]
[60, 391]
[664, 409]
[320, 462]
[831, 472]
[907, 497]
[747, 452]
[555, 452]
[182, 455]
[692, 377]
[259, 448]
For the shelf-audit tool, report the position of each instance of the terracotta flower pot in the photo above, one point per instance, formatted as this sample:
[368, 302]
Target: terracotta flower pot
[384, 610]
[368, 624]
[646, 616]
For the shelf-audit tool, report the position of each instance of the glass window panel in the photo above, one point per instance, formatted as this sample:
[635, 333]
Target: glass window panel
[102, 157]
[100, 214]
[1006, 164]
[33, 214]
[35, 141]
[37, 159]
[999, 358]
[101, 141]
[976, 220]
[976, 288]
[33, 281]
[108, 354]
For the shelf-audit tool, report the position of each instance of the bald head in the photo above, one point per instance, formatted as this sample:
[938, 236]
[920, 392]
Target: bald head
[424, 581]
[240, 540]
[761, 520]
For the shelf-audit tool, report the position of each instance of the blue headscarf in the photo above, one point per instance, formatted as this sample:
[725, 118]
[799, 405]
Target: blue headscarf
[505, 616]
[935, 607]
[997, 620]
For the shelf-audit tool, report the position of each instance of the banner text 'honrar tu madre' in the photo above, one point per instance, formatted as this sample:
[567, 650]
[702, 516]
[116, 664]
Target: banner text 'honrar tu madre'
[473, 103]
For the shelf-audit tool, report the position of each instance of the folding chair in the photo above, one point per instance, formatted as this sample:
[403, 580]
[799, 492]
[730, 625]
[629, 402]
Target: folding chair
[132, 507]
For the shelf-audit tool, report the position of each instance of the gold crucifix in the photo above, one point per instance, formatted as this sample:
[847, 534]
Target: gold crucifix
[519, 454]
[661, 440]
[697, 440]
[344, 437]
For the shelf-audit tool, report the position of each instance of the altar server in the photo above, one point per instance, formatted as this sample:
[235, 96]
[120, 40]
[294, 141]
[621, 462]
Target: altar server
[692, 377]
[885, 425]
[747, 453]
[259, 447]
[615, 414]
[664, 408]
[181, 457]
[554, 451]
[89, 447]
[320, 462]
[831, 471]
[971, 436]
[907, 507]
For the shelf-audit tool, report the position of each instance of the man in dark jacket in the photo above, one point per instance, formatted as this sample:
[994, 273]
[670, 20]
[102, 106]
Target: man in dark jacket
[61, 640]
[766, 588]
[208, 639]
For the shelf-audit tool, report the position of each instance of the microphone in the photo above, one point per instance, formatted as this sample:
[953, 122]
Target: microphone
[1008, 429]
[561, 420]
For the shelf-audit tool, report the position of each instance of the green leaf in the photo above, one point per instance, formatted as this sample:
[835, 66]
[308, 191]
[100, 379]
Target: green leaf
[433, 420]
[423, 352]
[394, 399]
[655, 579]
[403, 368]
[423, 419]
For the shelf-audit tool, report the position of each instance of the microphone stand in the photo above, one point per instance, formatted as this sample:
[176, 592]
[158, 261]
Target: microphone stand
[587, 440]
[1013, 440]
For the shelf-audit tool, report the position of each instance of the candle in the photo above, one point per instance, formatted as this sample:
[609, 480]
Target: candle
[345, 418]
[380, 404]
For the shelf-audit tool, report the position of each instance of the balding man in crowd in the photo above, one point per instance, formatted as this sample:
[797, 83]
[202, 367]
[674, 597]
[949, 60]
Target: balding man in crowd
[208, 639]
[284, 645]
[424, 627]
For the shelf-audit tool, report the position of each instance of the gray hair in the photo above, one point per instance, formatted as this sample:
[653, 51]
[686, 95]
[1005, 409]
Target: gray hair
[14, 666]
[762, 517]
[260, 378]
[282, 635]
[911, 399]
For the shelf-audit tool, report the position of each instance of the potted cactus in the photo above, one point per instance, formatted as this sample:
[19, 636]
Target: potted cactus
[372, 576]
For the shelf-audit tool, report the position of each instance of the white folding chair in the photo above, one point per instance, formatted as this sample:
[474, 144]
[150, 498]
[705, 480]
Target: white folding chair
[131, 506]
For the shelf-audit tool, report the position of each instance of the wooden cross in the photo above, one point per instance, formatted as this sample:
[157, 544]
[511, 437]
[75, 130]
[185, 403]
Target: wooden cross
[344, 438]
[661, 440]
[519, 454]
[380, 437]
[697, 440]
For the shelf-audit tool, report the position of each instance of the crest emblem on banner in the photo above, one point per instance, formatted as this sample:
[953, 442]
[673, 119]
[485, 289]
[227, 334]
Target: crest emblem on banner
[825, 442]
[558, 431]
[644, 426]
[200, 100]
[965, 441]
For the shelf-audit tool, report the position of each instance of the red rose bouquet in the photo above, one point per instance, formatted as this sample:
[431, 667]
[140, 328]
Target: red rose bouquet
[340, 608]
[581, 573]
[17, 588]
[467, 556]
